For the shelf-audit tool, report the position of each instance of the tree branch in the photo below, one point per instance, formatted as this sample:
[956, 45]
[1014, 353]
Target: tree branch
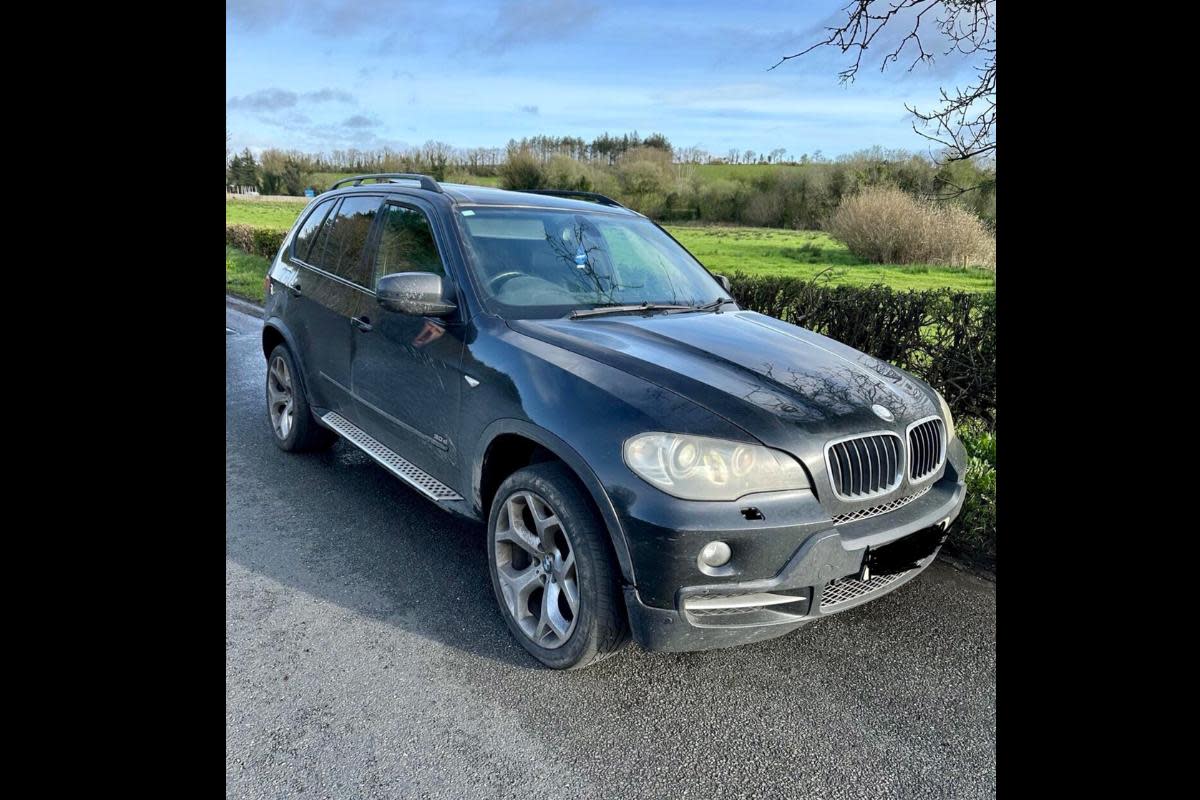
[964, 121]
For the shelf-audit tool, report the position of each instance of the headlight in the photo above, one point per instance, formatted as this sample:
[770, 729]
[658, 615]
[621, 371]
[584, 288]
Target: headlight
[700, 468]
[946, 415]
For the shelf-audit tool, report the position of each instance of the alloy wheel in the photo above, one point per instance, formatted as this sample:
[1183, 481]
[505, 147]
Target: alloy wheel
[280, 397]
[536, 565]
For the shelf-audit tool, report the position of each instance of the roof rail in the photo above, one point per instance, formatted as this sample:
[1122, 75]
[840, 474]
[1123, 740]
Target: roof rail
[425, 181]
[599, 198]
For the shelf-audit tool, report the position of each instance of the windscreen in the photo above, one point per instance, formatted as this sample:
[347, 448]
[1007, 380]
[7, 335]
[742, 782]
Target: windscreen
[544, 262]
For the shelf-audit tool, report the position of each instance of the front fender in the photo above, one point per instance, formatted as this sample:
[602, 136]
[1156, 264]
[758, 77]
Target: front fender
[572, 459]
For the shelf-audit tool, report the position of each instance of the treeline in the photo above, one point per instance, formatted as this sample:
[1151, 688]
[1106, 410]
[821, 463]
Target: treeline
[650, 175]
[292, 171]
[604, 148]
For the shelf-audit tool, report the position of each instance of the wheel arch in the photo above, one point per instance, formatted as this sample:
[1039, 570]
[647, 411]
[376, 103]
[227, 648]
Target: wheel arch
[275, 333]
[488, 466]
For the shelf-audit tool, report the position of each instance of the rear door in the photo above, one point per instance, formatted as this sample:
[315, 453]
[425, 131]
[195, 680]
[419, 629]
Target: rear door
[333, 289]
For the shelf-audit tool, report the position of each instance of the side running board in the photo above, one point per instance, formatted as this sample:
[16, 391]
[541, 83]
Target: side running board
[405, 470]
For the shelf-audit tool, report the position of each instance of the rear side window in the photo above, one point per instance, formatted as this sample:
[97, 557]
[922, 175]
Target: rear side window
[347, 231]
[308, 232]
[406, 243]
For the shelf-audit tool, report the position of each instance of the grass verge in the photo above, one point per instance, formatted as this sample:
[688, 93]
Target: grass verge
[244, 273]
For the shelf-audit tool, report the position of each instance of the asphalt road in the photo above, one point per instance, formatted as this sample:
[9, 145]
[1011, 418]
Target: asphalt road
[365, 657]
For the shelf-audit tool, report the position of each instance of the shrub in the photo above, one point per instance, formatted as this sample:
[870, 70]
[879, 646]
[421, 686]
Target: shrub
[974, 532]
[764, 209]
[720, 200]
[681, 201]
[521, 170]
[640, 178]
[564, 172]
[264, 242]
[887, 226]
[646, 178]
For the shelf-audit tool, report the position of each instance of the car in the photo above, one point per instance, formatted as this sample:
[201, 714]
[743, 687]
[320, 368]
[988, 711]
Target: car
[650, 460]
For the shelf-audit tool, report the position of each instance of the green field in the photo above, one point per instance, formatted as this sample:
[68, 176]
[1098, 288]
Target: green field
[807, 254]
[727, 249]
[278, 214]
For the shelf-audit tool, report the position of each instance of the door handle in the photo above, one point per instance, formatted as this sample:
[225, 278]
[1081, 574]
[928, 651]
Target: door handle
[362, 323]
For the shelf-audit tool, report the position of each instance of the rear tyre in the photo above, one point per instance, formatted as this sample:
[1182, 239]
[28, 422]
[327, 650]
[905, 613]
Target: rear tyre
[292, 423]
[553, 569]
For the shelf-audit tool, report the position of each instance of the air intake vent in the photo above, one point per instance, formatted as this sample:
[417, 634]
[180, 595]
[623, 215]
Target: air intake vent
[926, 448]
[864, 466]
[882, 508]
[843, 591]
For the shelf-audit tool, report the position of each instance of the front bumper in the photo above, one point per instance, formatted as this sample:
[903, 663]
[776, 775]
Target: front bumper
[823, 576]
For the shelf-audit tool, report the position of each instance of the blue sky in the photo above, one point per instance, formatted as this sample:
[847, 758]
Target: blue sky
[319, 75]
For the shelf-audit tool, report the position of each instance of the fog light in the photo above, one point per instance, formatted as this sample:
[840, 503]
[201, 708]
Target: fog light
[715, 554]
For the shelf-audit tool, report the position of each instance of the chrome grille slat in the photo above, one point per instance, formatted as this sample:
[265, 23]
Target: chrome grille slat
[864, 466]
[856, 473]
[876, 466]
[882, 508]
[887, 458]
[403, 469]
[932, 450]
[914, 453]
[927, 448]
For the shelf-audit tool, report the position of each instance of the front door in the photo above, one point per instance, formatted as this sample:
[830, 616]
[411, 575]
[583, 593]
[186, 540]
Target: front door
[406, 372]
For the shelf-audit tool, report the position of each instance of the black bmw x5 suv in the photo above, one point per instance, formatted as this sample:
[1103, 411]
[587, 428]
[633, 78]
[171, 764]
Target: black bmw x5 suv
[649, 458]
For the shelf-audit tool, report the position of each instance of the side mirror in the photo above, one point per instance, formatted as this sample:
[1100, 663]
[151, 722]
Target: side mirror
[721, 279]
[421, 294]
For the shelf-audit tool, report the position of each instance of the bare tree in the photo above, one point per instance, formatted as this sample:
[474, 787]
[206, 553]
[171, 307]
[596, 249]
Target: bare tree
[964, 122]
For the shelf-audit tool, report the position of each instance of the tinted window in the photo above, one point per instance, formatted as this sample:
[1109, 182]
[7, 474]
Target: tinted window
[406, 244]
[347, 236]
[316, 254]
[308, 232]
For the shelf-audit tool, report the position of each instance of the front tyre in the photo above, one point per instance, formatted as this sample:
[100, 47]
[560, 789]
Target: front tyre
[553, 570]
[292, 421]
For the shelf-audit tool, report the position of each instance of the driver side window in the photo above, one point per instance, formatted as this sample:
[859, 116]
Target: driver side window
[406, 243]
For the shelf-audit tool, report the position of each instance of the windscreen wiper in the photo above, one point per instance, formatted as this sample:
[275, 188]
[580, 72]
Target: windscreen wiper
[629, 309]
[715, 305]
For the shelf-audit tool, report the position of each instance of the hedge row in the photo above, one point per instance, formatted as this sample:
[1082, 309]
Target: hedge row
[944, 336]
[263, 242]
